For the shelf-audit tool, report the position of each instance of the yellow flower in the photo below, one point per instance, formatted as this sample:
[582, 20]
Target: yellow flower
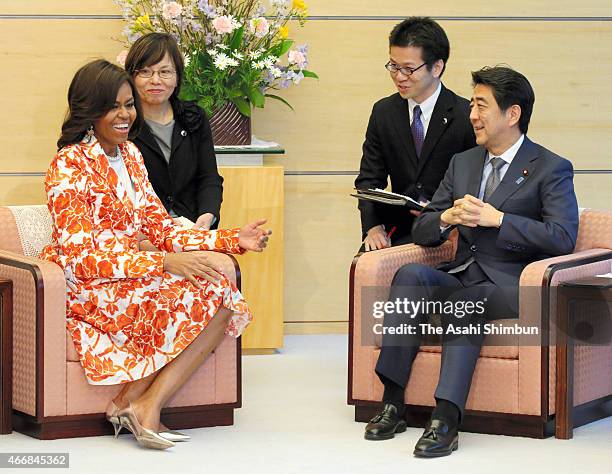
[142, 23]
[299, 5]
[283, 32]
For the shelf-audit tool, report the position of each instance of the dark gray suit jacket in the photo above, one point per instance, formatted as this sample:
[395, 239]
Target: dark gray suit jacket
[540, 210]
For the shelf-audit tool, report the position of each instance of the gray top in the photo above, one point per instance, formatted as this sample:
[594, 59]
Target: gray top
[163, 136]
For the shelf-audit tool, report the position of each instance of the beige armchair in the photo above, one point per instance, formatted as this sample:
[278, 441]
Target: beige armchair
[513, 389]
[51, 396]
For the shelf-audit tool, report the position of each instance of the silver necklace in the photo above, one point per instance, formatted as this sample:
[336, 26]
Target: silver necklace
[113, 159]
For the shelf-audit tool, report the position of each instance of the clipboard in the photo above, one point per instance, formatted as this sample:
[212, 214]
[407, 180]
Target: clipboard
[387, 197]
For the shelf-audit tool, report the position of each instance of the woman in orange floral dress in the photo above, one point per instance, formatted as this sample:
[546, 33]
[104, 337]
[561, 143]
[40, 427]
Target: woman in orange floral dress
[143, 319]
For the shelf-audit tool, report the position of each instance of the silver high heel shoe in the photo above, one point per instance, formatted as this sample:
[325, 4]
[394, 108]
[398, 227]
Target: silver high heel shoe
[145, 437]
[111, 416]
[174, 436]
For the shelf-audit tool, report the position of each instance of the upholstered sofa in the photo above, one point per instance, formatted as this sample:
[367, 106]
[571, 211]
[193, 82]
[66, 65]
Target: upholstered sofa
[513, 390]
[51, 396]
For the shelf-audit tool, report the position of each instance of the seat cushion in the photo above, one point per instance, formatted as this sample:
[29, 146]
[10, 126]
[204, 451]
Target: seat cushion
[493, 352]
[71, 353]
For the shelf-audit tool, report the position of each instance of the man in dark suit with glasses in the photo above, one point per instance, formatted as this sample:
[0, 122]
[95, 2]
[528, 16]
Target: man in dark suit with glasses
[412, 134]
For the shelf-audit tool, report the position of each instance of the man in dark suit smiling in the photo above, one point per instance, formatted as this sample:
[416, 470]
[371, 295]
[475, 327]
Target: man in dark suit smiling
[413, 134]
[513, 203]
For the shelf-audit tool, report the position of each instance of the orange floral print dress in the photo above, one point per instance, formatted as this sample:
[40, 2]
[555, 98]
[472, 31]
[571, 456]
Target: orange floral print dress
[128, 318]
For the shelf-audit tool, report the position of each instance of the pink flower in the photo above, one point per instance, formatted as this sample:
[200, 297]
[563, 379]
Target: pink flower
[259, 26]
[298, 58]
[120, 59]
[171, 10]
[223, 24]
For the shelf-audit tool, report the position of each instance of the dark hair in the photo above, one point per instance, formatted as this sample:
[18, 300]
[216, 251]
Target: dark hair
[509, 88]
[422, 32]
[151, 49]
[92, 93]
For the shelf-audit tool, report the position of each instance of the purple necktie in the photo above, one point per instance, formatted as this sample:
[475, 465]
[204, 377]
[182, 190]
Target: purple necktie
[418, 133]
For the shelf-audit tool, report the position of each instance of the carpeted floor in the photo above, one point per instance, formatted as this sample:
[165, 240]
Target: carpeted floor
[295, 419]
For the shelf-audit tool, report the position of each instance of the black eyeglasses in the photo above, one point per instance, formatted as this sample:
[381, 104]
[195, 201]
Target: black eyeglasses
[406, 71]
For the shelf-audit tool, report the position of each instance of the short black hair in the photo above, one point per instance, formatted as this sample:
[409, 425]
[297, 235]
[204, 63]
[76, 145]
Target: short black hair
[423, 32]
[92, 93]
[510, 88]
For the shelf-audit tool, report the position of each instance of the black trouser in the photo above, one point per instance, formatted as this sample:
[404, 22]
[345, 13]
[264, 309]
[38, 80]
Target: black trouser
[459, 352]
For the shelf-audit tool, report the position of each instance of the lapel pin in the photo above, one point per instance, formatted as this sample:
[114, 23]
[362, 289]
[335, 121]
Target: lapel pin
[444, 120]
[520, 180]
[525, 172]
[184, 133]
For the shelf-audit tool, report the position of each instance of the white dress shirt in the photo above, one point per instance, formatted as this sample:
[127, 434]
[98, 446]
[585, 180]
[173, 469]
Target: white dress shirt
[507, 156]
[427, 107]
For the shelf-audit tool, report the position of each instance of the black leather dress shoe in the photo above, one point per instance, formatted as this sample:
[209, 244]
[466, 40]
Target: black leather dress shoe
[439, 439]
[385, 424]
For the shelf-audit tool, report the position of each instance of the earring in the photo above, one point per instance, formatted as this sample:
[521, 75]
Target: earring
[90, 133]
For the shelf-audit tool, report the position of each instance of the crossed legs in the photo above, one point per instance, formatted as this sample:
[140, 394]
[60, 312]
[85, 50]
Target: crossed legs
[149, 395]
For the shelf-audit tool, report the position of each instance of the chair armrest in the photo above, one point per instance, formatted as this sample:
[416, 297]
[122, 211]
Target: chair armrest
[39, 333]
[228, 389]
[536, 302]
[377, 268]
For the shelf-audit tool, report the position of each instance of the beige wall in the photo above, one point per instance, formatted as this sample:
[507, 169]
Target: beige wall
[568, 62]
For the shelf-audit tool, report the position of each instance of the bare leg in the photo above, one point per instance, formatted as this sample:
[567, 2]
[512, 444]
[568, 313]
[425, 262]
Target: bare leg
[178, 371]
[133, 390]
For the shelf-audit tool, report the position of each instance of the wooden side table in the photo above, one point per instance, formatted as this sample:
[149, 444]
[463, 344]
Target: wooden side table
[6, 356]
[252, 189]
[584, 289]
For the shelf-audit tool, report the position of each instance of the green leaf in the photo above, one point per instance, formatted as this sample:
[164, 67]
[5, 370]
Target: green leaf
[256, 97]
[243, 106]
[187, 92]
[237, 38]
[285, 46]
[206, 105]
[272, 96]
[309, 74]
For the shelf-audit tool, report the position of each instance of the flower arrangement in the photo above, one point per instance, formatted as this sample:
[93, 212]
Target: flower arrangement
[236, 51]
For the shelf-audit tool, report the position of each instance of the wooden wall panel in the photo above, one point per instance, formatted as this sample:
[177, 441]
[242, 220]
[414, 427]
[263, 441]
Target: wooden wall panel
[58, 7]
[300, 328]
[445, 8]
[322, 236]
[573, 109]
[572, 114]
[396, 8]
[567, 62]
[594, 191]
[22, 190]
[42, 58]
